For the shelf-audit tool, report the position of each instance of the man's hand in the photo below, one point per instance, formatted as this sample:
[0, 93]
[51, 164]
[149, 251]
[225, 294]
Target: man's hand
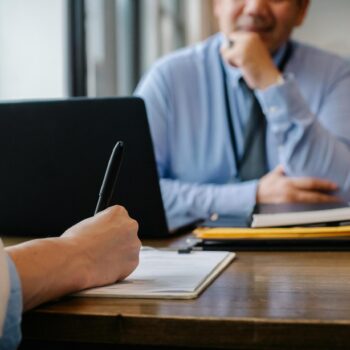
[107, 244]
[250, 54]
[276, 187]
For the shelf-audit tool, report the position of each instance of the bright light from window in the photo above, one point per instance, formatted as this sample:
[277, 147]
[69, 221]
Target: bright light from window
[33, 51]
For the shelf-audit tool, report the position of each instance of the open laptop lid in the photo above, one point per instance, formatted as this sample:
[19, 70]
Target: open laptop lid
[54, 155]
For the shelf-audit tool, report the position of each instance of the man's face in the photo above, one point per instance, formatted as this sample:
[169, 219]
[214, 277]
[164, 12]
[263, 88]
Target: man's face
[273, 20]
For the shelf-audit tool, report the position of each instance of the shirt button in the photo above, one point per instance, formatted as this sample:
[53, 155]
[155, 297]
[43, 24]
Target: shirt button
[273, 109]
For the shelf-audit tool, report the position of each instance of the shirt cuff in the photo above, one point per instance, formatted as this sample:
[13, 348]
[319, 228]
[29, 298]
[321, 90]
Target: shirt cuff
[283, 104]
[12, 325]
[235, 199]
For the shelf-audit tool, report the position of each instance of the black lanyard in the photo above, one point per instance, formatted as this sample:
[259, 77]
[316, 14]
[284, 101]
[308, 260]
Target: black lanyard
[286, 57]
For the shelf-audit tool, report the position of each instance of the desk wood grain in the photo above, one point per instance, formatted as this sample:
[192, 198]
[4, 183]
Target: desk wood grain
[263, 300]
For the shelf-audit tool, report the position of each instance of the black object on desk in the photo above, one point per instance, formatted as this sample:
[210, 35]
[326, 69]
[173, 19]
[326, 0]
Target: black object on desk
[305, 245]
[53, 157]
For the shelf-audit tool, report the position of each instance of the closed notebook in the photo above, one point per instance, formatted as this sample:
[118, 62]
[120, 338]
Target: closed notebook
[280, 215]
[300, 214]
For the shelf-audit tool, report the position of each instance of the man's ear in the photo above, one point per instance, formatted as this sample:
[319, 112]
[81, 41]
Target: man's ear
[303, 8]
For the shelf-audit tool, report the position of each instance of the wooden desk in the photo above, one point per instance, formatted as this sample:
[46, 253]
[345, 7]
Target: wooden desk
[264, 300]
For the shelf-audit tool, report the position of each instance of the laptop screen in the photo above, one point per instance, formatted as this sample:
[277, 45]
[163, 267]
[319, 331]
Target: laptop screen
[54, 155]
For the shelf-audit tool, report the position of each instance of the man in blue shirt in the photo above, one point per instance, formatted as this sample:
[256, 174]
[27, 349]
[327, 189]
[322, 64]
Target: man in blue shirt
[97, 251]
[199, 113]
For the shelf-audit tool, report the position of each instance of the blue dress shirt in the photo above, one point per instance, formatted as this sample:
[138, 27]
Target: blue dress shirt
[308, 129]
[12, 327]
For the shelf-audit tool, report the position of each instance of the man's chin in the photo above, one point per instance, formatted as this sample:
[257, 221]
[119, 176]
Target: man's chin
[265, 37]
[252, 29]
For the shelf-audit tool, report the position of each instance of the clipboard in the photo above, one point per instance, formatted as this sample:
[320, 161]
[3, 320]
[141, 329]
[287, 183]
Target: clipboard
[164, 274]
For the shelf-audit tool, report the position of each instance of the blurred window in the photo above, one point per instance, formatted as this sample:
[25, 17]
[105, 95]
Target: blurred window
[33, 49]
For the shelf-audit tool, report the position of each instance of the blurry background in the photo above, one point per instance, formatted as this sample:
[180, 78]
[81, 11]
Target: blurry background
[61, 48]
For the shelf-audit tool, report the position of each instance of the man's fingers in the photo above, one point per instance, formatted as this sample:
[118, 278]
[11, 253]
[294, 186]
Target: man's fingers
[227, 55]
[313, 184]
[279, 170]
[314, 197]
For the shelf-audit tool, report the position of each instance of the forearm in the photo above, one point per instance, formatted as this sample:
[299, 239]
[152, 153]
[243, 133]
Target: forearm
[48, 268]
[202, 200]
[306, 147]
[318, 153]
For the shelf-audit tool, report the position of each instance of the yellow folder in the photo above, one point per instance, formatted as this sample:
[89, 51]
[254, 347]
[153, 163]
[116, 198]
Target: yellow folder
[229, 233]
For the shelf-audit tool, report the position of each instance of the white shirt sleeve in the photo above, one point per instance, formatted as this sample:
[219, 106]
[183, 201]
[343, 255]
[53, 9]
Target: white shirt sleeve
[4, 286]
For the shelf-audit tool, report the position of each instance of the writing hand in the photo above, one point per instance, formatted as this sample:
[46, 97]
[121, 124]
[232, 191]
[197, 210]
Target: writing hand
[107, 244]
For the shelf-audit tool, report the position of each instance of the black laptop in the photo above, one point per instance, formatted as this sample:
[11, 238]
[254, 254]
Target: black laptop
[53, 158]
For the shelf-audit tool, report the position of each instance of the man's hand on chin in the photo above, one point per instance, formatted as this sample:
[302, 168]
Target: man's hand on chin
[249, 53]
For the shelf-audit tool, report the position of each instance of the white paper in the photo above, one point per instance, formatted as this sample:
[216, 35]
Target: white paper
[166, 273]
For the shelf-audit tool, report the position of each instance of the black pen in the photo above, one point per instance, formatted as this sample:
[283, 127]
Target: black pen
[110, 179]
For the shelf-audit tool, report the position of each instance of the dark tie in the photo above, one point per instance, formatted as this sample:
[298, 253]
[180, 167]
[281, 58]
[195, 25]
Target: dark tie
[252, 164]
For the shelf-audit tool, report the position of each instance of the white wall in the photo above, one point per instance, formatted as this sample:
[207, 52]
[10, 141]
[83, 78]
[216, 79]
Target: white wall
[32, 49]
[328, 26]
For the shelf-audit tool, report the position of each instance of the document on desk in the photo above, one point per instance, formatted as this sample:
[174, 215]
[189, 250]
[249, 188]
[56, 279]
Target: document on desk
[167, 275]
[231, 233]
